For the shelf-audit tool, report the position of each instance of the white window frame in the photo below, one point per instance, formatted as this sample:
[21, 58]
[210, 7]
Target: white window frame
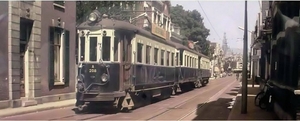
[60, 80]
[87, 48]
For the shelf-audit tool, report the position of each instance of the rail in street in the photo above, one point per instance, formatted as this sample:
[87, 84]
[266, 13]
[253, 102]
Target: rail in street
[208, 102]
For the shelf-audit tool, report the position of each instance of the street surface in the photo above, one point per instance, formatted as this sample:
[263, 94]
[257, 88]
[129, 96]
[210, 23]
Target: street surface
[208, 102]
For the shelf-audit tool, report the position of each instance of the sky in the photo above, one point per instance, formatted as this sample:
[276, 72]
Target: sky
[224, 16]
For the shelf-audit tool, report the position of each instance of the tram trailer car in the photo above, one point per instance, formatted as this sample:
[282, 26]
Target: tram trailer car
[121, 65]
[192, 70]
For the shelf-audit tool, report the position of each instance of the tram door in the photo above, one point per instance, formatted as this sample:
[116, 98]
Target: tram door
[126, 60]
[25, 31]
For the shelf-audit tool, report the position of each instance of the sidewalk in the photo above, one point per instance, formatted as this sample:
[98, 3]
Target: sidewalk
[253, 112]
[36, 108]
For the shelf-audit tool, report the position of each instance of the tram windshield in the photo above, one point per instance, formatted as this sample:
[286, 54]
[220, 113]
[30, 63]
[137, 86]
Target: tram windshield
[95, 48]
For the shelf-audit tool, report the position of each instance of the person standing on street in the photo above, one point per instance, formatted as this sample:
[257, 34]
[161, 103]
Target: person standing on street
[237, 76]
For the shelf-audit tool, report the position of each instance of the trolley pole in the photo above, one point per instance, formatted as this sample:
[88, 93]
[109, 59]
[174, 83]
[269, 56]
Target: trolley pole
[244, 73]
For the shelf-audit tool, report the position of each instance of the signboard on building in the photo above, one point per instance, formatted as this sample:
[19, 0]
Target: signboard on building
[159, 31]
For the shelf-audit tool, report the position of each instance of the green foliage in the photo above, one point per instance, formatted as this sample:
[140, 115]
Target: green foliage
[211, 51]
[110, 8]
[192, 27]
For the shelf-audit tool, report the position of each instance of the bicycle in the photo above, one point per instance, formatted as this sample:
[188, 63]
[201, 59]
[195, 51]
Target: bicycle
[264, 98]
[259, 95]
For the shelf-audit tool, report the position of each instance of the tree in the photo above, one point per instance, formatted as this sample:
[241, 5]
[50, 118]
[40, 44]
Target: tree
[192, 27]
[111, 8]
[211, 51]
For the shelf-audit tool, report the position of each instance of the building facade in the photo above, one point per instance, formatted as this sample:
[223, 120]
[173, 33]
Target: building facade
[154, 16]
[37, 52]
[257, 68]
[217, 60]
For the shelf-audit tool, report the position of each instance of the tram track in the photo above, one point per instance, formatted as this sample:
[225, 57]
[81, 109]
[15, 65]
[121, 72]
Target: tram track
[210, 99]
[183, 105]
[189, 96]
[190, 99]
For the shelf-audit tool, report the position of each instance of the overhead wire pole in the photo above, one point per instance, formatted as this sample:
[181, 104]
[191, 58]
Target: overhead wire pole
[245, 59]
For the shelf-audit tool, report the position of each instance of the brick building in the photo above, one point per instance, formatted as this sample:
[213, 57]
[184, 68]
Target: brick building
[154, 16]
[37, 52]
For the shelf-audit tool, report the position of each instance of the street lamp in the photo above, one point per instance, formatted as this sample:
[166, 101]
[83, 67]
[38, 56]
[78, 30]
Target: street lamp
[241, 28]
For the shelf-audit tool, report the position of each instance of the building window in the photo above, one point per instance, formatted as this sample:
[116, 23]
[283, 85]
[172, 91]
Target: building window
[148, 49]
[106, 48]
[165, 23]
[155, 55]
[146, 23]
[139, 52]
[61, 3]
[59, 56]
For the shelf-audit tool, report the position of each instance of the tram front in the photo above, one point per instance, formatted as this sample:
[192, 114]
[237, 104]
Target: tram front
[98, 68]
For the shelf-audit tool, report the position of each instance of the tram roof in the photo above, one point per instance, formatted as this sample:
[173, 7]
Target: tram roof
[180, 46]
[107, 23]
[122, 25]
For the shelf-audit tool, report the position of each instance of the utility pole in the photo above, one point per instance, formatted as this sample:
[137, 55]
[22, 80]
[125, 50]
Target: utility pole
[245, 65]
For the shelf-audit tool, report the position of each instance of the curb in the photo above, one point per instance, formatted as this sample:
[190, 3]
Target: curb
[23, 110]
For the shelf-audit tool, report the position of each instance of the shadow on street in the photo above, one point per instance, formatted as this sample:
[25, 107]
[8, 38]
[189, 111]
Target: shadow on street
[216, 110]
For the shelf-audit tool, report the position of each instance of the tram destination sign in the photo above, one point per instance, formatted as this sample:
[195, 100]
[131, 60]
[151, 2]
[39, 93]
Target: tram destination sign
[158, 31]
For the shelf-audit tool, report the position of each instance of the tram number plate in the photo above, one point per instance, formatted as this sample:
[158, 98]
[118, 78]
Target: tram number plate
[92, 70]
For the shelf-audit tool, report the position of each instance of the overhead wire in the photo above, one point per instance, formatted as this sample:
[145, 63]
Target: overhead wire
[208, 20]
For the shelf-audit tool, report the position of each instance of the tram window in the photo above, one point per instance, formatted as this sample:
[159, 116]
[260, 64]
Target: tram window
[178, 59]
[139, 52]
[155, 55]
[116, 49]
[106, 48]
[185, 62]
[162, 57]
[172, 59]
[192, 62]
[93, 48]
[148, 49]
[167, 58]
[82, 48]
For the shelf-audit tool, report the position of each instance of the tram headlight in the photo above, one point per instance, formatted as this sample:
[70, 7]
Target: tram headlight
[93, 17]
[104, 77]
